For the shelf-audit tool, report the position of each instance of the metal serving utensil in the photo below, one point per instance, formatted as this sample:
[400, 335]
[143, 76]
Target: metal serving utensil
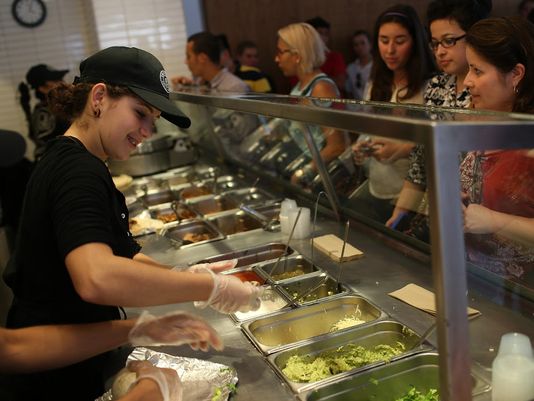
[314, 220]
[425, 335]
[345, 238]
[287, 244]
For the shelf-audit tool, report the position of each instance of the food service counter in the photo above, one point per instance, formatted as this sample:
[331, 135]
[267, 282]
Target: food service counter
[381, 271]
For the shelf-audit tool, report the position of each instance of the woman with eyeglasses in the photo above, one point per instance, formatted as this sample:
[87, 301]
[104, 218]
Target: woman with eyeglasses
[448, 22]
[498, 185]
[401, 67]
[300, 53]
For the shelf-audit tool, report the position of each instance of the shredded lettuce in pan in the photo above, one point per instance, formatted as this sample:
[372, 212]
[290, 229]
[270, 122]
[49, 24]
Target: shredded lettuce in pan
[414, 395]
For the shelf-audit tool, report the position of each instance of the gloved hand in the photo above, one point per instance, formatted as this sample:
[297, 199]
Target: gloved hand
[216, 267]
[175, 328]
[230, 294]
[167, 380]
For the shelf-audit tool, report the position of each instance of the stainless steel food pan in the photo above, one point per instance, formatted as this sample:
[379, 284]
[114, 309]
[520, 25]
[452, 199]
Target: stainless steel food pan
[252, 255]
[271, 301]
[250, 196]
[368, 336]
[235, 223]
[194, 191]
[287, 268]
[391, 381]
[310, 289]
[169, 212]
[182, 234]
[158, 197]
[276, 332]
[215, 204]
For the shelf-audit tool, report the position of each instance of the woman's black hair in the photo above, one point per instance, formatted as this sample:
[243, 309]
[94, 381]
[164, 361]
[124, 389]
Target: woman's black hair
[464, 12]
[420, 65]
[505, 42]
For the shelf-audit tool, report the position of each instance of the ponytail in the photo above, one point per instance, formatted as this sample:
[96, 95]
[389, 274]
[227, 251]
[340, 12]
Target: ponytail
[24, 100]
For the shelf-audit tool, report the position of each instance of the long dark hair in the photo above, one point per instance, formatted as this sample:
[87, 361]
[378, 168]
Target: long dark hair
[505, 42]
[420, 66]
[464, 12]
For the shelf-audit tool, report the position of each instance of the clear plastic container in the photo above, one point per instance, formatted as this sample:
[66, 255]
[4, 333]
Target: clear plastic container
[513, 369]
[285, 207]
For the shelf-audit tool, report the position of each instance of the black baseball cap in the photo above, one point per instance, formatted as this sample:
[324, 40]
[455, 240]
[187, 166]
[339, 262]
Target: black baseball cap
[40, 73]
[137, 70]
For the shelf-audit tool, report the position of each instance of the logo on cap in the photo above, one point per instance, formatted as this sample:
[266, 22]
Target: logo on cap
[164, 81]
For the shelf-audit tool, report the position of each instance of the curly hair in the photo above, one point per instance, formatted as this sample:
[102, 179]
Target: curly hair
[67, 101]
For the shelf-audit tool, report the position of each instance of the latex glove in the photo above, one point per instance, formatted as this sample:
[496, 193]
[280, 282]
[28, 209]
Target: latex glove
[167, 380]
[216, 267]
[230, 294]
[175, 328]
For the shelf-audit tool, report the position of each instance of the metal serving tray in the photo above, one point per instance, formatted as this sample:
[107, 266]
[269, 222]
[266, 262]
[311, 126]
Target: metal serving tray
[176, 232]
[236, 223]
[246, 274]
[381, 332]
[391, 381]
[253, 255]
[290, 267]
[320, 285]
[214, 204]
[276, 332]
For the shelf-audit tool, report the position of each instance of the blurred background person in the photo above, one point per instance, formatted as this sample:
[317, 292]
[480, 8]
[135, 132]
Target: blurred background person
[42, 124]
[359, 70]
[525, 7]
[247, 67]
[203, 58]
[334, 64]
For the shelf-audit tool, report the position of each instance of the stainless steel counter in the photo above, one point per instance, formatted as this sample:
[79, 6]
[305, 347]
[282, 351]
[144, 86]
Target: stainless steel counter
[379, 272]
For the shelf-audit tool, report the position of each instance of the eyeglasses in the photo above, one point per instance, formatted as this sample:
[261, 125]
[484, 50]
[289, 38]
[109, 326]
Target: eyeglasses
[279, 51]
[445, 42]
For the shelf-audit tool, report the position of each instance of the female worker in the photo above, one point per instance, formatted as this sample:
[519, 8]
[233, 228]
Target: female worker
[401, 68]
[300, 53]
[75, 260]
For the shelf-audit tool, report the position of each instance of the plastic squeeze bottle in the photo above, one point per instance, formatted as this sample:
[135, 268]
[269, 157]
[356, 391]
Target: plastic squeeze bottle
[513, 369]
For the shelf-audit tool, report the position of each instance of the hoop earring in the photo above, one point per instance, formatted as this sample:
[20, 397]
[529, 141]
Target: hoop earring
[97, 113]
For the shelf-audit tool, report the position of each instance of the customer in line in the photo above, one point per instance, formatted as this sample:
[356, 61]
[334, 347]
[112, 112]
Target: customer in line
[247, 67]
[498, 185]
[301, 52]
[402, 66]
[448, 23]
[75, 260]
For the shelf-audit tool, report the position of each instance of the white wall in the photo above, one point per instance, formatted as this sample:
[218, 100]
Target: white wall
[76, 28]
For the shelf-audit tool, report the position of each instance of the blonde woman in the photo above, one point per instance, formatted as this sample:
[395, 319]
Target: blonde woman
[300, 53]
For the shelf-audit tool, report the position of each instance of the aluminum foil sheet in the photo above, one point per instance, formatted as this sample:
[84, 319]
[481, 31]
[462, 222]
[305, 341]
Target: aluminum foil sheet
[201, 380]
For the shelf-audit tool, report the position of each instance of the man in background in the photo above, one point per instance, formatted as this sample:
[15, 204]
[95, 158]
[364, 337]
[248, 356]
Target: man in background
[359, 70]
[203, 58]
[247, 67]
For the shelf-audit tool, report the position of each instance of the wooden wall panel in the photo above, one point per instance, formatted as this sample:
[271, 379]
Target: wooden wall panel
[259, 20]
